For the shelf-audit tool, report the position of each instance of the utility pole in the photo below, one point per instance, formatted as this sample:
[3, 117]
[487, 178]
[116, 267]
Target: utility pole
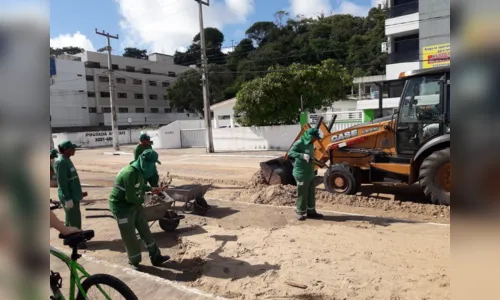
[114, 118]
[204, 80]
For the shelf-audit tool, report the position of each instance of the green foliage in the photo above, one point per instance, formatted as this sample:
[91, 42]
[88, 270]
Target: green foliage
[187, 94]
[135, 53]
[275, 98]
[65, 50]
[342, 40]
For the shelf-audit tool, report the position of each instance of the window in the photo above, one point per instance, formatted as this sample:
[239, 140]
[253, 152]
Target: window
[421, 100]
[167, 110]
[139, 110]
[153, 97]
[137, 81]
[368, 89]
[92, 64]
[122, 95]
[92, 110]
[225, 117]
[123, 109]
[89, 78]
[165, 97]
[129, 69]
[165, 84]
[121, 80]
[171, 74]
[114, 67]
[106, 110]
[138, 96]
[91, 94]
[146, 70]
[152, 83]
[103, 79]
[154, 110]
[104, 94]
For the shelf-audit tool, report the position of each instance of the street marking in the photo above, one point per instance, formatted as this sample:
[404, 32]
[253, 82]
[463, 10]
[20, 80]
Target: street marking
[236, 155]
[148, 277]
[336, 212]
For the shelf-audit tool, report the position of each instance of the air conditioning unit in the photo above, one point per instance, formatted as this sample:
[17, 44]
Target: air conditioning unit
[383, 47]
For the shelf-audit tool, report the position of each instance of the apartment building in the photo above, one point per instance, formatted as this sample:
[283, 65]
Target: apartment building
[418, 36]
[80, 94]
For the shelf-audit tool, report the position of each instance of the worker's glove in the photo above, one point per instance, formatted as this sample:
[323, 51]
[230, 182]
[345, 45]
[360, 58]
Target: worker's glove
[69, 204]
[306, 157]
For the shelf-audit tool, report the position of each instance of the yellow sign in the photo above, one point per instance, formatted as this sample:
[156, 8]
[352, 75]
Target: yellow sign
[436, 56]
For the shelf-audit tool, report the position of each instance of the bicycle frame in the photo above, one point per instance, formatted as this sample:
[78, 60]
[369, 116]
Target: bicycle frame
[75, 270]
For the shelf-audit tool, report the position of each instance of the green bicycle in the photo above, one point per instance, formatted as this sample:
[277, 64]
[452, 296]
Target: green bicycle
[84, 282]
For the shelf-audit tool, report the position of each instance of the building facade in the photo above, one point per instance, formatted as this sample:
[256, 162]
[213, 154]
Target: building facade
[418, 37]
[80, 94]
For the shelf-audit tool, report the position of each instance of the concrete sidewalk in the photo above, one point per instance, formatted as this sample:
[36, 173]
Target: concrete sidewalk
[145, 286]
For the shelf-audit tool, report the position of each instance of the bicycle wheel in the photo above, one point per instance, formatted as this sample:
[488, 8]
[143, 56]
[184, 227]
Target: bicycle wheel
[112, 286]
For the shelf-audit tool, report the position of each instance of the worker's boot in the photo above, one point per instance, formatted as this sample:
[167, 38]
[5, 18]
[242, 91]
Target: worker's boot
[301, 217]
[313, 214]
[160, 260]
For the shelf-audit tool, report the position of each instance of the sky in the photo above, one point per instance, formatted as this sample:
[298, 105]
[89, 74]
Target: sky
[168, 25]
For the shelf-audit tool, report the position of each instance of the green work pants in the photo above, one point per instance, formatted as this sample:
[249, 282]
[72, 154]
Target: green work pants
[128, 222]
[73, 215]
[306, 191]
[154, 181]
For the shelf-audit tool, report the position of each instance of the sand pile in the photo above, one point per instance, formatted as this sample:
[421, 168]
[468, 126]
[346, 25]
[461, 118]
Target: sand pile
[259, 192]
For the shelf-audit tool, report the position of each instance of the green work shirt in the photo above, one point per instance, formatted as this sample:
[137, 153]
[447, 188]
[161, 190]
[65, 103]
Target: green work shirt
[69, 187]
[128, 190]
[139, 149]
[302, 168]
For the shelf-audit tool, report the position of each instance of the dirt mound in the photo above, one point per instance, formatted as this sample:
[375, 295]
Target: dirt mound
[259, 192]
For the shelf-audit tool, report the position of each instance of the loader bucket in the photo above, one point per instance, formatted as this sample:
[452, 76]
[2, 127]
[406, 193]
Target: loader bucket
[278, 171]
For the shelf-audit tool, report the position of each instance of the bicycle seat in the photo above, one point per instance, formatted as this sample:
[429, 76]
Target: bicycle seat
[75, 239]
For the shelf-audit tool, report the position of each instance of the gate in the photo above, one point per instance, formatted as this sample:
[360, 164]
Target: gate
[193, 138]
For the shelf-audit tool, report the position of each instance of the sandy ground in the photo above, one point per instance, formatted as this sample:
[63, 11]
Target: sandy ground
[244, 250]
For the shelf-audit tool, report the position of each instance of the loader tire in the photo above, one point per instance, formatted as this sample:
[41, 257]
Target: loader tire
[342, 179]
[435, 177]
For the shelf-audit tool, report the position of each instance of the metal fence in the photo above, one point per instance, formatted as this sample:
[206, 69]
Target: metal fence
[193, 138]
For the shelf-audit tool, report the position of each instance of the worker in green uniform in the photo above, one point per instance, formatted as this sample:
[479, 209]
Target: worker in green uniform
[144, 144]
[69, 188]
[303, 171]
[125, 202]
[53, 157]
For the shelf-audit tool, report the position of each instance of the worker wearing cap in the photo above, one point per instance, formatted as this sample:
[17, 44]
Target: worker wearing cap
[303, 171]
[144, 144]
[125, 203]
[53, 179]
[69, 188]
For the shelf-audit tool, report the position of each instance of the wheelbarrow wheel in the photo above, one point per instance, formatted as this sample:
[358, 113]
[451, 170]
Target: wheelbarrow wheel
[201, 206]
[170, 221]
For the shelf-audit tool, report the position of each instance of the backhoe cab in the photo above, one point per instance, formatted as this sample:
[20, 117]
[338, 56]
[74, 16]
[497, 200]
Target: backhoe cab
[411, 145]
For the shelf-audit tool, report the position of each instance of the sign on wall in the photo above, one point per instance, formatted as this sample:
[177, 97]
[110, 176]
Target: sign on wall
[436, 56]
[52, 67]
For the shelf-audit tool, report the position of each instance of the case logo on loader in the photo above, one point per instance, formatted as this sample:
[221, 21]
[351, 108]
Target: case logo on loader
[344, 135]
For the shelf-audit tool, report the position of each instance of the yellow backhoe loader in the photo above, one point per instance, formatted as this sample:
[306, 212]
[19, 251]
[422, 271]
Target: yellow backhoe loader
[412, 145]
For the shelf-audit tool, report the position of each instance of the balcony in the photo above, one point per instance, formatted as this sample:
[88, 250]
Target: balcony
[402, 57]
[402, 9]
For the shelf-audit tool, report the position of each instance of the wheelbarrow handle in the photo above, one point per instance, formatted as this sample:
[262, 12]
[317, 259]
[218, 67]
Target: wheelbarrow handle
[97, 209]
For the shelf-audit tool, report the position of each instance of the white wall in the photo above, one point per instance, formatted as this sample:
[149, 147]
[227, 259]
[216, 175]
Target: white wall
[402, 24]
[149, 118]
[97, 138]
[68, 95]
[167, 137]
[254, 138]
[392, 71]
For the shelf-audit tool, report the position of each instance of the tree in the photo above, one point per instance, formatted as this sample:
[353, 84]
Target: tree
[260, 31]
[214, 39]
[187, 94]
[66, 50]
[135, 53]
[275, 98]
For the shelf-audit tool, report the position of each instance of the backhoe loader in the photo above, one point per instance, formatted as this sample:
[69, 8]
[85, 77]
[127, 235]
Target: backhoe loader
[412, 145]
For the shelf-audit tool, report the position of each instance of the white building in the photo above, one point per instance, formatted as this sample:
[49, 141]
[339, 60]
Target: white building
[80, 91]
[223, 114]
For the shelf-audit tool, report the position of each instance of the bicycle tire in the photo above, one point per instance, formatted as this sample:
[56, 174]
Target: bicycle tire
[111, 281]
